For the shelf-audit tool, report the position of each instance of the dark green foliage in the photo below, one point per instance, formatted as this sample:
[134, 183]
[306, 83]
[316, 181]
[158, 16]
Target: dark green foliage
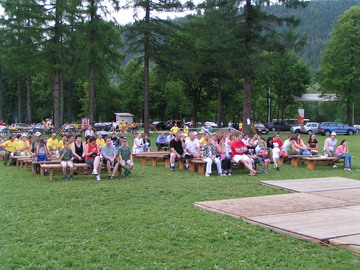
[316, 22]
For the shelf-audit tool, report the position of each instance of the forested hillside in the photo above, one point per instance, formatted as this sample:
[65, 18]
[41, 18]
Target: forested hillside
[317, 21]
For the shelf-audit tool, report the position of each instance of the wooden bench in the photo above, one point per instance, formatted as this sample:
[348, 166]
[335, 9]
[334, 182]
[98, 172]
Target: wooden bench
[154, 158]
[295, 159]
[57, 168]
[197, 164]
[314, 160]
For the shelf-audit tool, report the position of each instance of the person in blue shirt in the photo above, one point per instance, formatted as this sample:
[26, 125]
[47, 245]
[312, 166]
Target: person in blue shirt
[161, 141]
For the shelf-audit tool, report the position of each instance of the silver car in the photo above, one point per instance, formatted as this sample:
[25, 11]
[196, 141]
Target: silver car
[310, 128]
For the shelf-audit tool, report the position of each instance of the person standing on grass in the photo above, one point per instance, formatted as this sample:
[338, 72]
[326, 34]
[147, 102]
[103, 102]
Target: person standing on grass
[175, 129]
[42, 152]
[10, 147]
[109, 153]
[276, 155]
[238, 149]
[125, 157]
[177, 147]
[330, 144]
[92, 157]
[66, 157]
[342, 151]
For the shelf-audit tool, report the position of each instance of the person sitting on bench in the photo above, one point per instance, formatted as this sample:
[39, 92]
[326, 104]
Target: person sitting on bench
[208, 154]
[125, 157]
[66, 156]
[92, 157]
[342, 151]
[109, 153]
[10, 147]
[177, 146]
[238, 149]
[161, 141]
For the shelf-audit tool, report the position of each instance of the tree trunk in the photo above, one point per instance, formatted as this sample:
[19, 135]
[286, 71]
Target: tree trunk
[247, 103]
[69, 102]
[56, 99]
[248, 69]
[91, 65]
[28, 99]
[61, 100]
[1, 97]
[91, 94]
[19, 98]
[219, 103]
[146, 68]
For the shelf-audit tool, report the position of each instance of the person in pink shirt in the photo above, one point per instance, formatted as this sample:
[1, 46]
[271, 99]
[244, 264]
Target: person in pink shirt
[342, 151]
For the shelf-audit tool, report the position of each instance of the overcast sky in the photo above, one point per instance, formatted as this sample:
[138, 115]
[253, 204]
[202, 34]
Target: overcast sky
[127, 16]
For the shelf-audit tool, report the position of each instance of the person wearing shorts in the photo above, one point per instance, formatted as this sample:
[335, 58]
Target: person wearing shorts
[238, 149]
[109, 153]
[125, 157]
[92, 157]
[66, 157]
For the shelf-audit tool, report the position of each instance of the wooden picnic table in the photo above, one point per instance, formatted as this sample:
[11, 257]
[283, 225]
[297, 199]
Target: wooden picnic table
[314, 160]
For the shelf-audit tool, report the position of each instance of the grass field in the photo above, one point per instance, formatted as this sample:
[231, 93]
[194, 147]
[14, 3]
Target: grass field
[147, 221]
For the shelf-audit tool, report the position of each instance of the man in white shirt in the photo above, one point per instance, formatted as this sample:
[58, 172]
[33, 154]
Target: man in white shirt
[192, 146]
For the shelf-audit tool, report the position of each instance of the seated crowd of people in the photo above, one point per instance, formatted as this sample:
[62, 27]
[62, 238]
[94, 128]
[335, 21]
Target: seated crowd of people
[255, 153]
[111, 151]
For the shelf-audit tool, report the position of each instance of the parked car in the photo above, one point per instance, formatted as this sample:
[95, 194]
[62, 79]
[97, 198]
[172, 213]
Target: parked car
[105, 126]
[310, 128]
[170, 123]
[159, 125]
[261, 129]
[274, 126]
[357, 127]
[326, 128]
[210, 124]
[295, 129]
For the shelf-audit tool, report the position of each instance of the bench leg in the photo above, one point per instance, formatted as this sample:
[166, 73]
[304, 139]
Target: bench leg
[295, 162]
[192, 167]
[154, 162]
[167, 163]
[181, 164]
[42, 171]
[51, 174]
[143, 161]
[201, 168]
[311, 165]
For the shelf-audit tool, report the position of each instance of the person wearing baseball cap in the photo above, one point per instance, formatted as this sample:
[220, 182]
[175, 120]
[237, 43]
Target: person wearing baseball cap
[330, 145]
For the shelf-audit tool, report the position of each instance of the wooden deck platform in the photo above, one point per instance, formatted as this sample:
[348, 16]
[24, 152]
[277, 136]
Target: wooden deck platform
[314, 184]
[326, 209]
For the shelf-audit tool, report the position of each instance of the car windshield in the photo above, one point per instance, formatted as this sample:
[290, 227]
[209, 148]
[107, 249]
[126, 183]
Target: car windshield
[259, 125]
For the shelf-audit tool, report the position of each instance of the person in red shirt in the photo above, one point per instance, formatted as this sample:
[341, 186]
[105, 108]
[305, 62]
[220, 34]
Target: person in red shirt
[238, 149]
[277, 140]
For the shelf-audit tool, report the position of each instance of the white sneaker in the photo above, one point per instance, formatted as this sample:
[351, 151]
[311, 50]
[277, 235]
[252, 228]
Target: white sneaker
[334, 166]
[229, 174]
[98, 178]
[207, 175]
[94, 172]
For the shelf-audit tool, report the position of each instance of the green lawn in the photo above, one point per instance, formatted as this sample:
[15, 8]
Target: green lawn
[147, 221]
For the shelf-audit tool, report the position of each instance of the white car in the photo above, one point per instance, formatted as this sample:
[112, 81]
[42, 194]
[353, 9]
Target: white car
[310, 128]
[295, 129]
[211, 124]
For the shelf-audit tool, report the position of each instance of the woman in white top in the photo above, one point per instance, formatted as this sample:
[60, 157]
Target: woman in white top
[138, 144]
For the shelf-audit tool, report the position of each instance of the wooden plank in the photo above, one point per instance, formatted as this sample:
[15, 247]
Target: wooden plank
[271, 205]
[314, 184]
[319, 224]
[349, 195]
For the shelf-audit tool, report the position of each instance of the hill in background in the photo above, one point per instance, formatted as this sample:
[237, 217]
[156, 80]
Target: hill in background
[317, 21]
